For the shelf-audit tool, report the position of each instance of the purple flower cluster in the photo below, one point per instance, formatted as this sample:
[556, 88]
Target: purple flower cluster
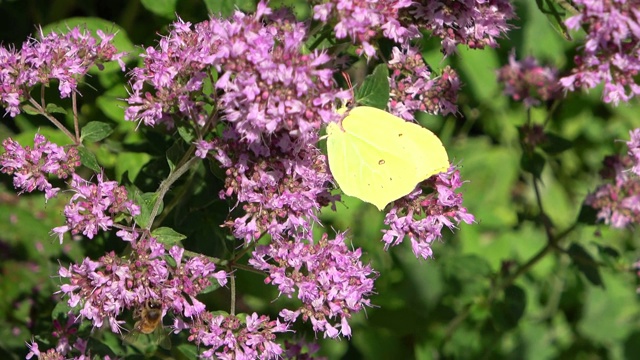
[532, 135]
[329, 278]
[266, 85]
[301, 350]
[231, 339]
[363, 20]
[618, 202]
[529, 82]
[422, 216]
[79, 346]
[281, 195]
[30, 167]
[412, 88]
[64, 334]
[611, 53]
[175, 73]
[62, 57]
[476, 23]
[94, 206]
[103, 289]
[67, 343]
[634, 150]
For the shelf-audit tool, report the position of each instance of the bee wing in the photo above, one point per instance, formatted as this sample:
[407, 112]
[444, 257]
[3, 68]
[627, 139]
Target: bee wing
[164, 341]
[159, 337]
[133, 337]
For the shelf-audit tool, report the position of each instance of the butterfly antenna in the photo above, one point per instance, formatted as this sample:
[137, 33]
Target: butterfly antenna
[347, 78]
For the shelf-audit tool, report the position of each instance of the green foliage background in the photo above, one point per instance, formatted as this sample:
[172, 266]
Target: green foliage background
[576, 299]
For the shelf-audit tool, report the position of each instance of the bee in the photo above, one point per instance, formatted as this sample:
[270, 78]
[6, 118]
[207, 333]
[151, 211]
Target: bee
[149, 322]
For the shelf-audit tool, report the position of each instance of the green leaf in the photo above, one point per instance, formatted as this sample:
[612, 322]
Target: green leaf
[186, 133]
[375, 89]
[27, 227]
[224, 8]
[131, 162]
[88, 159]
[95, 131]
[540, 35]
[174, 154]
[106, 343]
[213, 287]
[167, 236]
[588, 215]
[29, 109]
[491, 170]
[585, 264]
[608, 316]
[608, 254]
[217, 171]
[170, 260]
[111, 103]
[632, 345]
[53, 108]
[146, 202]
[532, 163]
[477, 70]
[556, 15]
[466, 276]
[556, 144]
[508, 312]
[188, 351]
[608, 251]
[61, 309]
[464, 341]
[164, 8]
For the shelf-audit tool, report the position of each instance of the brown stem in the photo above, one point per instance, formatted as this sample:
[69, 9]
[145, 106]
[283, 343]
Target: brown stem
[53, 120]
[232, 281]
[74, 107]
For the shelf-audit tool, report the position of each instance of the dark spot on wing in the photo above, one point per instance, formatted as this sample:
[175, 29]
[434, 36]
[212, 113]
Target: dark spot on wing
[381, 162]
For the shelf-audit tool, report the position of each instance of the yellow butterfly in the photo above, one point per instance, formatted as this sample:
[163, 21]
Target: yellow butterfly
[378, 157]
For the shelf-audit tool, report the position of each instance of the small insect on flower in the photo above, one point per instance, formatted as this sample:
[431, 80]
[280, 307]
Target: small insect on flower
[149, 323]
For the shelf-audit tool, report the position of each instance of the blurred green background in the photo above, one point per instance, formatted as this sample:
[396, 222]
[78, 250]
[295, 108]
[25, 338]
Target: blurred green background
[577, 302]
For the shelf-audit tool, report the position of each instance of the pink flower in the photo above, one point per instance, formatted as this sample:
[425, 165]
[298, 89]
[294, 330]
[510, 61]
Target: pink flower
[103, 289]
[529, 82]
[422, 216]
[65, 58]
[30, 167]
[228, 338]
[611, 53]
[328, 277]
[413, 89]
[618, 200]
[94, 206]
[363, 20]
[250, 107]
[476, 23]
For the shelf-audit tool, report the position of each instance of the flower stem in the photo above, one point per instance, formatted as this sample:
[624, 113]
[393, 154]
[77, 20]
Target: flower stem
[53, 120]
[74, 107]
[232, 281]
[165, 185]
